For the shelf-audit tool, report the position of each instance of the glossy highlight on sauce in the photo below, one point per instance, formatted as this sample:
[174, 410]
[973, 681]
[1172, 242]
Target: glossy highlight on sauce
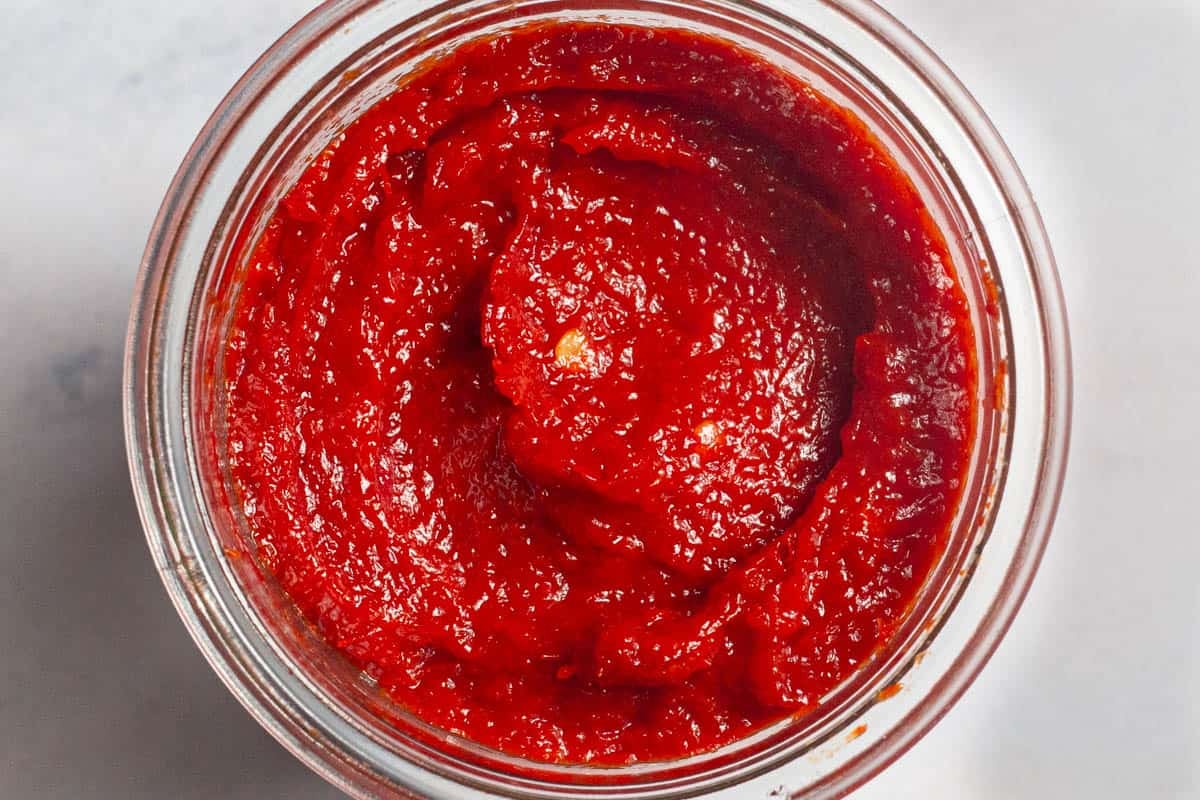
[603, 392]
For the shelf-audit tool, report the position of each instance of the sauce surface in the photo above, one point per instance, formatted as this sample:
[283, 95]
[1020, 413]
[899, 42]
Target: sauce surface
[604, 393]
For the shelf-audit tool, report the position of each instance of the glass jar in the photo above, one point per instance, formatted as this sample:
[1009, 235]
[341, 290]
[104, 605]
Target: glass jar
[337, 62]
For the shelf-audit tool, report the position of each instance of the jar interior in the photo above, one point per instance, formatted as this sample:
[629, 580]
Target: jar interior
[342, 94]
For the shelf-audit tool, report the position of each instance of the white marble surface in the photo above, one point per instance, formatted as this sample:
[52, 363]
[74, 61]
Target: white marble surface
[1096, 691]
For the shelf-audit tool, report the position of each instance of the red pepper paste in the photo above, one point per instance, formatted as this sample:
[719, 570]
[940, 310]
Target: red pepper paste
[603, 392]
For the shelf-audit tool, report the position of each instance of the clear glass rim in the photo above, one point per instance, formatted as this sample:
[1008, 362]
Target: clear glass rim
[150, 444]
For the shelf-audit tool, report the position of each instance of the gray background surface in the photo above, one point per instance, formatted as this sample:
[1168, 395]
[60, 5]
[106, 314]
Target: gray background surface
[1095, 692]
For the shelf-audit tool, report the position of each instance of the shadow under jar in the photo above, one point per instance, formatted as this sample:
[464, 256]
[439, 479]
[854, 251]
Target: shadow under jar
[331, 68]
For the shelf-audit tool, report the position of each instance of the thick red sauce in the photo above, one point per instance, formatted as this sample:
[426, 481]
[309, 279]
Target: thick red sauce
[603, 392]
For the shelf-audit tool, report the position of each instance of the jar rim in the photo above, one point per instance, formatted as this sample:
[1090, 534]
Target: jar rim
[155, 399]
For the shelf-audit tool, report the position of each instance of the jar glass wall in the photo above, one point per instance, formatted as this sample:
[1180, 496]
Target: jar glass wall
[334, 65]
